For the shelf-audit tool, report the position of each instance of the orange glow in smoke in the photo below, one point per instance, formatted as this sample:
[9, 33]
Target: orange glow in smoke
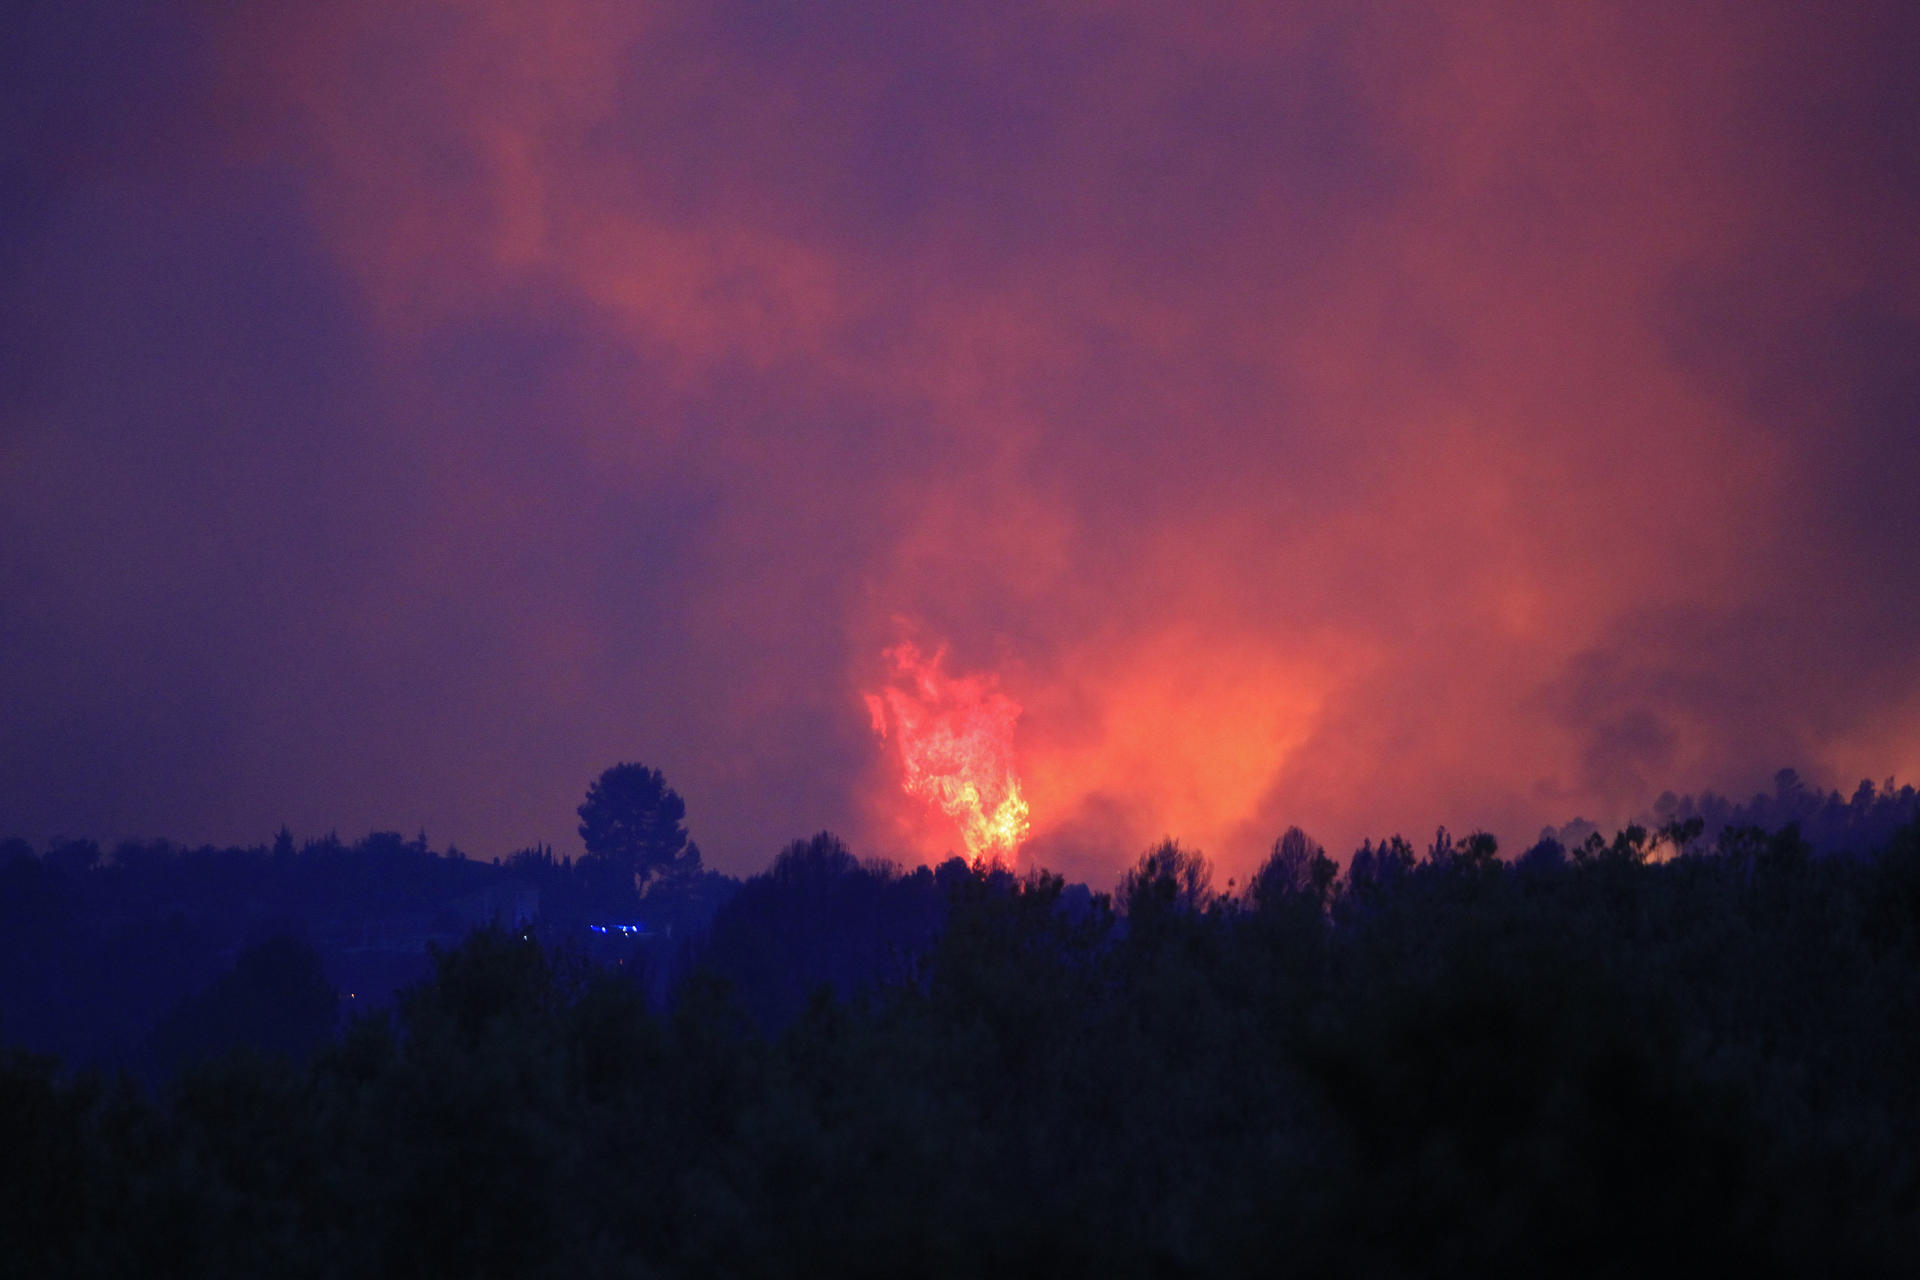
[955, 739]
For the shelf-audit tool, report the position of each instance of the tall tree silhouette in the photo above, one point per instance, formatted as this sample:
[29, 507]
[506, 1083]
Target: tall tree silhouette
[632, 822]
[1167, 878]
[1298, 871]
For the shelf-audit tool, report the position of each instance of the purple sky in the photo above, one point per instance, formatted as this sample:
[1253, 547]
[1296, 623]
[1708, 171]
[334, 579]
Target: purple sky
[1363, 416]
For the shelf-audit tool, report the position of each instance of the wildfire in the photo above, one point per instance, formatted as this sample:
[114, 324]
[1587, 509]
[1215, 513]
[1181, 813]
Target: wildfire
[955, 738]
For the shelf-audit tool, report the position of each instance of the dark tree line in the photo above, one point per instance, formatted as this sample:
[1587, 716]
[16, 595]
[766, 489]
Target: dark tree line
[98, 950]
[1859, 822]
[150, 954]
[1652, 1050]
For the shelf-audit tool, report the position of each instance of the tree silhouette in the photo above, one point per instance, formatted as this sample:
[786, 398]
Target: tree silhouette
[634, 822]
[275, 999]
[1168, 878]
[1298, 871]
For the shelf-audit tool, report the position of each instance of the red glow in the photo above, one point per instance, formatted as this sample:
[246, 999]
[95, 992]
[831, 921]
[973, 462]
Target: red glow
[955, 742]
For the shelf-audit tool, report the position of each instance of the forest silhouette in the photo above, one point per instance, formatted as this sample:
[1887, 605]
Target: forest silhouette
[1690, 1043]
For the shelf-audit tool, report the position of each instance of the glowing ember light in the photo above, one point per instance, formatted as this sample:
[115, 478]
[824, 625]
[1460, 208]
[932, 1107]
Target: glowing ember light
[955, 739]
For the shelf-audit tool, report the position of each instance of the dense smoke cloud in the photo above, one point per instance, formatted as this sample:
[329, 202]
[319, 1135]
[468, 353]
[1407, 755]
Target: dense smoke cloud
[1358, 418]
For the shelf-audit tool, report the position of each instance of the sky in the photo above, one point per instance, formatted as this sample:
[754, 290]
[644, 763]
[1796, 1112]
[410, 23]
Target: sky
[1355, 415]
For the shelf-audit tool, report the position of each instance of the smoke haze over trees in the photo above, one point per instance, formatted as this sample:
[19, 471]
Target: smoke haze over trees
[397, 410]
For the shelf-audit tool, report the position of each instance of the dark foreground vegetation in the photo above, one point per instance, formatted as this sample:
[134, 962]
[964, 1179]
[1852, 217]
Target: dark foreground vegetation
[1655, 1051]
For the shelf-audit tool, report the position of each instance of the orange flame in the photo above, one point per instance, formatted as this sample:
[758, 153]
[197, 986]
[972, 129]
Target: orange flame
[955, 736]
